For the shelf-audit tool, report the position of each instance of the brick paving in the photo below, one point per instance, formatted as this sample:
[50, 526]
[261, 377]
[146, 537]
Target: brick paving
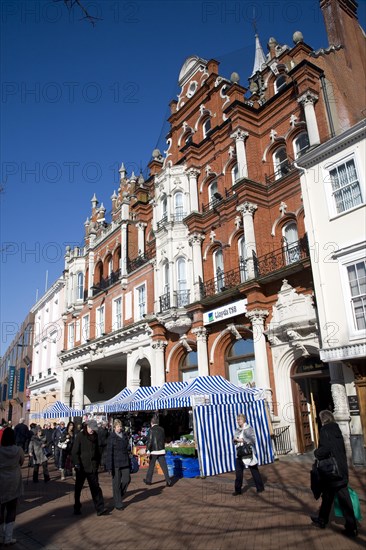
[192, 514]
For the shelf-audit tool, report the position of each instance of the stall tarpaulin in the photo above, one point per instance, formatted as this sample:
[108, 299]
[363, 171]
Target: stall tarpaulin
[58, 410]
[161, 398]
[104, 405]
[130, 403]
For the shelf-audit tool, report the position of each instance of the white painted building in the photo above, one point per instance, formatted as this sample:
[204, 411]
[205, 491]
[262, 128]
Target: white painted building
[334, 195]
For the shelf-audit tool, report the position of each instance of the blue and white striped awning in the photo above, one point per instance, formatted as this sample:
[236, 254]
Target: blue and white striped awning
[161, 399]
[130, 403]
[211, 390]
[104, 405]
[58, 410]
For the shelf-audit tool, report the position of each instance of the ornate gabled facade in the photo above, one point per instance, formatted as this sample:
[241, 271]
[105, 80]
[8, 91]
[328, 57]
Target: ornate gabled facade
[205, 267]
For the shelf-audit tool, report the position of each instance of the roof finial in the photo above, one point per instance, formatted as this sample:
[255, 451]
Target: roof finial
[260, 58]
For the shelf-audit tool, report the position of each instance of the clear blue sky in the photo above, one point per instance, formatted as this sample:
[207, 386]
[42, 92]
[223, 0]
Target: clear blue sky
[77, 100]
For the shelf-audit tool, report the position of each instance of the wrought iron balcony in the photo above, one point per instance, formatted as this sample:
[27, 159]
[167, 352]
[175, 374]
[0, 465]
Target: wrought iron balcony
[281, 258]
[180, 299]
[286, 168]
[217, 199]
[139, 261]
[106, 283]
[224, 280]
[162, 223]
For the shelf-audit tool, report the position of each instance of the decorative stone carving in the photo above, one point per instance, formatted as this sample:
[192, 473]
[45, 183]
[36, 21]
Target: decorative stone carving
[201, 333]
[247, 208]
[239, 135]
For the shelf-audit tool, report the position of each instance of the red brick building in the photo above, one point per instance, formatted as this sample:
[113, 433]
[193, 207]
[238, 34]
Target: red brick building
[205, 268]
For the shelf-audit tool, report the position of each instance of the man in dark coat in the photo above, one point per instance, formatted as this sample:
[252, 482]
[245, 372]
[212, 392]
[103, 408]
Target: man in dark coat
[86, 459]
[331, 444]
[22, 435]
[156, 447]
[57, 435]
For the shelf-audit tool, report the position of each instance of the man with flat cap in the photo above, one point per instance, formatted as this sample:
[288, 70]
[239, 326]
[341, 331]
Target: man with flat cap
[86, 459]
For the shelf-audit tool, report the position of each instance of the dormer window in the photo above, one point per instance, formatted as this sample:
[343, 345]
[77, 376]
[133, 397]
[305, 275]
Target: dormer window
[206, 127]
[280, 83]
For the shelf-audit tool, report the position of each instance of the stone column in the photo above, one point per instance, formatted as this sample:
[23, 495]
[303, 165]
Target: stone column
[193, 174]
[124, 249]
[131, 381]
[247, 210]
[91, 273]
[141, 238]
[257, 317]
[341, 410]
[307, 100]
[195, 242]
[78, 401]
[202, 356]
[158, 372]
[241, 156]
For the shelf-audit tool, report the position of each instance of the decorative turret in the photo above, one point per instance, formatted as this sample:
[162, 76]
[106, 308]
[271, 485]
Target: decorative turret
[122, 172]
[259, 58]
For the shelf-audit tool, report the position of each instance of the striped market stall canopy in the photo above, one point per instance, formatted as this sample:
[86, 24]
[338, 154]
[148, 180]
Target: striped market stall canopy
[161, 398]
[104, 406]
[130, 402]
[58, 410]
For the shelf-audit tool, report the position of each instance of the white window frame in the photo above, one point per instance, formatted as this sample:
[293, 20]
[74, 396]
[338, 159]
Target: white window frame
[85, 328]
[219, 282]
[80, 286]
[278, 88]
[291, 258]
[164, 208]
[166, 278]
[178, 206]
[328, 186]
[140, 304]
[212, 189]
[206, 129]
[235, 175]
[344, 262]
[100, 321]
[110, 266]
[277, 164]
[117, 313]
[70, 335]
[297, 151]
[243, 254]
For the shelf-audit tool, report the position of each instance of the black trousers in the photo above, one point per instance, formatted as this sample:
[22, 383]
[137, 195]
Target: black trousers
[120, 481]
[345, 504]
[164, 467]
[46, 475]
[239, 474]
[94, 487]
[8, 511]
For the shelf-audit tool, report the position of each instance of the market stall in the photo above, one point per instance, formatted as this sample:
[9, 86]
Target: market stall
[58, 410]
[103, 406]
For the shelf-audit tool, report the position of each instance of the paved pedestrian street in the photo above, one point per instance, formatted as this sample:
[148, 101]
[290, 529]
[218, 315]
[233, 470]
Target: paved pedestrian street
[193, 513]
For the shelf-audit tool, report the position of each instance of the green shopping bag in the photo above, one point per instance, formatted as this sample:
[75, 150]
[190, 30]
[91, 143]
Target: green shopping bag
[355, 503]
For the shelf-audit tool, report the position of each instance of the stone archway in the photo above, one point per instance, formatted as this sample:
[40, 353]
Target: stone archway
[69, 392]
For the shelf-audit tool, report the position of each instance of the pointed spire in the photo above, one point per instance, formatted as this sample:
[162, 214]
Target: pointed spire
[94, 201]
[260, 58]
[122, 172]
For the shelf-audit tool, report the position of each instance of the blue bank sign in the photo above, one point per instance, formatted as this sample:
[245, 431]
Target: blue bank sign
[225, 312]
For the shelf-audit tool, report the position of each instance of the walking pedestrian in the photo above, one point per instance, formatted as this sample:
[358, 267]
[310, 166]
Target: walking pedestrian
[36, 450]
[22, 434]
[48, 432]
[67, 441]
[331, 443]
[118, 463]
[59, 432]
[156, 447]
[245, 434]
[103, 435]
[86, 460]
[11, 483]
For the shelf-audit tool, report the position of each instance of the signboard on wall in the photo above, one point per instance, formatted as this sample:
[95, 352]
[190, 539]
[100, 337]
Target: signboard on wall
[11, 379]
[225, 312]
[21, 380]
[354, 408]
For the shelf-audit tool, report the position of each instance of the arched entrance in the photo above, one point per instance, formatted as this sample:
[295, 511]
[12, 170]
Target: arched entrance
[312, 393]
[145, 373]
[69, 392]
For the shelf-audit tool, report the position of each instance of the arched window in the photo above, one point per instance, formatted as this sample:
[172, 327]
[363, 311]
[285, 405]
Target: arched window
[280, 83]
[110, 266]
[301, 144]
[189, 138]
[242, 260]
[164, 209]
[80, 288]
[178, 207]
[213, 194]
[280, 163]
[241, 363]
[235, 173]
[218, 259]
[291, 243]
[98, 273]
[182, 292]
[206, 127]
[189, 366]
[165, 297]
[166, 278]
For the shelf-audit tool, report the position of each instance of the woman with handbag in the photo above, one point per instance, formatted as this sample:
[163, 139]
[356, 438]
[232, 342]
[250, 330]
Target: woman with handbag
[36, 450]
[333, 471]
[118, 463]
[244, 440]
[65, 444]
